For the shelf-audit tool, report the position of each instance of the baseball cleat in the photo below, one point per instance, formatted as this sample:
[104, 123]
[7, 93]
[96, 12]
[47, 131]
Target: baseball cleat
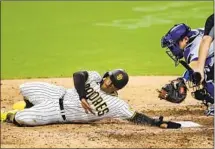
[6, 116]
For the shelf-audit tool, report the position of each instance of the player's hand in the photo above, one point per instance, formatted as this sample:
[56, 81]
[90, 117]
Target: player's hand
[166, 124]
[86, 106]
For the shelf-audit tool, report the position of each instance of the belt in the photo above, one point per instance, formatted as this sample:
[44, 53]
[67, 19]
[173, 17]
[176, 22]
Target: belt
[62, 108]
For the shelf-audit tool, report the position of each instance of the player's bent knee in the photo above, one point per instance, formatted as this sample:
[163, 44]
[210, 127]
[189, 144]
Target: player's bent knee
[27, 85]
[23, 88]
[27, 88]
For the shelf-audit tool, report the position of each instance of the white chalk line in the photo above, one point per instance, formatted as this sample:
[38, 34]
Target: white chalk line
[158, 17]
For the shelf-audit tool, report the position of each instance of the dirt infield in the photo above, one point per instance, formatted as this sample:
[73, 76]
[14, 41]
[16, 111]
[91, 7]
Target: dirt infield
[140, 94]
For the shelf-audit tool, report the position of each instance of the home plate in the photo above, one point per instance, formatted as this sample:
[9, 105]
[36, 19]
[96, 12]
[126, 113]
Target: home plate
[185, 124]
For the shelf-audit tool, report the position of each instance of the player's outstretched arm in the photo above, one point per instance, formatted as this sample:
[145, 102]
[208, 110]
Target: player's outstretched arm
[140, 118]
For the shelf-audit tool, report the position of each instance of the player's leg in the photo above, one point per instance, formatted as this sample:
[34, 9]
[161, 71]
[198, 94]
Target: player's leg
[6, 116]
[209, 85]
[210, 110]
[36, 92]
[210, 103]
[20, 105]
[44, 113]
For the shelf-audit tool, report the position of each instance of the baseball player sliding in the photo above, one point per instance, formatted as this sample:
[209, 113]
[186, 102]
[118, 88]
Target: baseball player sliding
[93, 98]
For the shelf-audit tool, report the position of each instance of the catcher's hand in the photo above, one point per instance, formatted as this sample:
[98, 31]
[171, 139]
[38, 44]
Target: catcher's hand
[166, 124]
[197, 78]
[175, 91]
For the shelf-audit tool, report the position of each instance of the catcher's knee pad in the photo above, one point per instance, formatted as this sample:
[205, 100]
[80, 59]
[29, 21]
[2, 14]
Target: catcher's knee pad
[203, 95]
[209, 86]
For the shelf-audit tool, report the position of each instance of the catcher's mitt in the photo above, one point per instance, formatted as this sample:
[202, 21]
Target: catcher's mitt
[175, 91]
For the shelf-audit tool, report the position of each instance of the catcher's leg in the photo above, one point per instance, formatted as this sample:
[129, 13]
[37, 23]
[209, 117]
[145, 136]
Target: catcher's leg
[206, 95]
[210, 110]
[210, 89]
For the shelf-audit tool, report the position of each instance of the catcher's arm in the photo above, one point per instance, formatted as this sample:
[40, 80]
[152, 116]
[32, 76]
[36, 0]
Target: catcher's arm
[193, 64]
[187, 74]
[139, 118]
[195, 77]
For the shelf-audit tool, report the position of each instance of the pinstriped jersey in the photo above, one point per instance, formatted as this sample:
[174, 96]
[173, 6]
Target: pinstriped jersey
[104, 105]
[45, 98]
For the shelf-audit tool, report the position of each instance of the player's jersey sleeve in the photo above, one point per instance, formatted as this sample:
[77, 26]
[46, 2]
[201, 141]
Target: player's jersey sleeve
[125, 111]
[93, 76]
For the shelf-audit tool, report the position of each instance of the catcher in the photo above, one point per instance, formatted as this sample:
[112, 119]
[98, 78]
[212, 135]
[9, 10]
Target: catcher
[93, 98]
[182, 42]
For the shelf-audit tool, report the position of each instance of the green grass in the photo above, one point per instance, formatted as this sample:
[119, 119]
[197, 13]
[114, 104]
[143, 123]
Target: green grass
[55, 39]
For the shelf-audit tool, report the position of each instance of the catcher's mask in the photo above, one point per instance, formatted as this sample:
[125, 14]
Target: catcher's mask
[118, 77]
[171, 41]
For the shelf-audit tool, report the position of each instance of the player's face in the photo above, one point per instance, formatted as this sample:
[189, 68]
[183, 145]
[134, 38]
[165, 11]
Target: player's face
[108, 86]
[183, 43]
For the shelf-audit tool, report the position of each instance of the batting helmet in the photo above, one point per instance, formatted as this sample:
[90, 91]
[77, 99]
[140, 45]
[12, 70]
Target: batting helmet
[118, 76]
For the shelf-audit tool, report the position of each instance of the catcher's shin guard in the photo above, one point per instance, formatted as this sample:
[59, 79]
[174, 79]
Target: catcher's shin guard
[210, 110]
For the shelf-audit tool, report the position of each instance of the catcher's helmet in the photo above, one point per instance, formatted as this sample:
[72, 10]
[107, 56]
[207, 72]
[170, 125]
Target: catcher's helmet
[172, 38]
[118, 76]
